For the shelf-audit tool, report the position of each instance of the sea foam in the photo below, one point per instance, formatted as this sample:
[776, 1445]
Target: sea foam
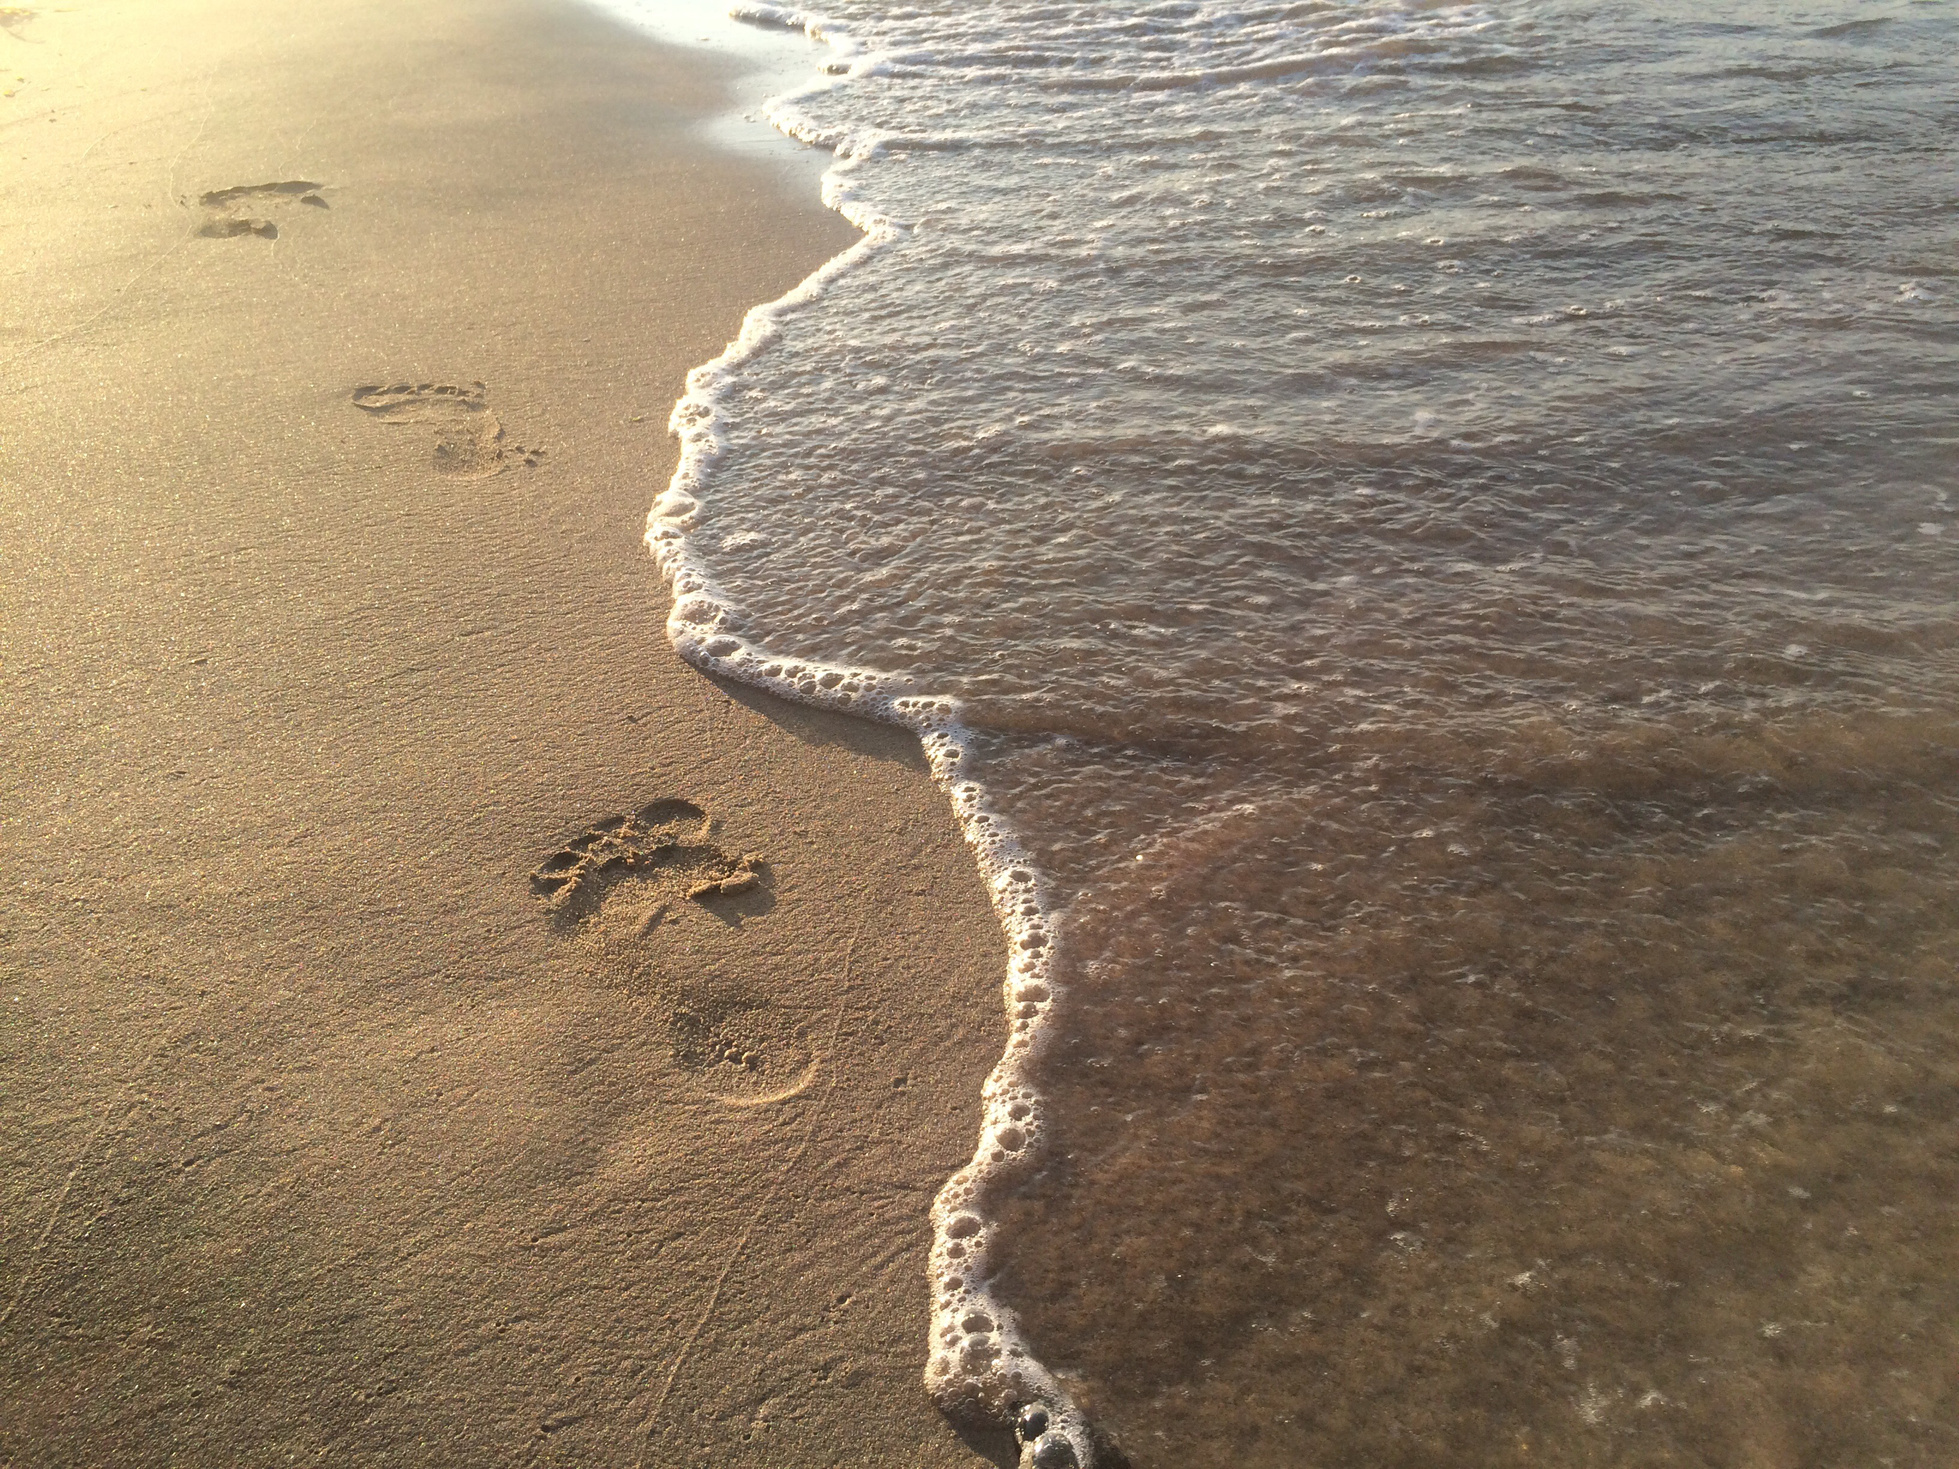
[978, 1363]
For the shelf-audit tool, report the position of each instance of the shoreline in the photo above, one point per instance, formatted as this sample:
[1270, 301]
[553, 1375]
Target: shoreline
[330, 624]
[981, 1367]
[981, 1370]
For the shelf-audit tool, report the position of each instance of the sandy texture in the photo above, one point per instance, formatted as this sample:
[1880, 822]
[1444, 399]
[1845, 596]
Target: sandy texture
[326, 1134]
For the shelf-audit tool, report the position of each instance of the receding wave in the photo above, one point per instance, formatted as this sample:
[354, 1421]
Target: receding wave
[1418, 540]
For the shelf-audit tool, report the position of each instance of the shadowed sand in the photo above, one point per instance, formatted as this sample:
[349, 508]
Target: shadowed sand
[437, 1026]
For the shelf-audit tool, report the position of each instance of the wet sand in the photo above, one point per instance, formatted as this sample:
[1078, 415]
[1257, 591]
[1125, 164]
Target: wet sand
[336, 349]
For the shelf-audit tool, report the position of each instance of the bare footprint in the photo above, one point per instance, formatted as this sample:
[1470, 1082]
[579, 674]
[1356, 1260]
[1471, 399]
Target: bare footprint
[468, 435]
[742, 1052]
[661, 852]
[625, 881]
[246, 208]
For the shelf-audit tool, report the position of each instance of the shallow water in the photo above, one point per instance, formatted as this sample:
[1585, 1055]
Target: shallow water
[1436, 526]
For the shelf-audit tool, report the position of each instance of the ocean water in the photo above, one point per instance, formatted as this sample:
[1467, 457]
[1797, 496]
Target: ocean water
[1420, 539]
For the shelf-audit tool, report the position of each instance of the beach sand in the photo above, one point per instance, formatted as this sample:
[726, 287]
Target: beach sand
[325, 1137]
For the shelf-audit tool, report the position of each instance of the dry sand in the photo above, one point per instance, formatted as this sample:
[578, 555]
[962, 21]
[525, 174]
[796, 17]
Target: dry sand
[323, 1138]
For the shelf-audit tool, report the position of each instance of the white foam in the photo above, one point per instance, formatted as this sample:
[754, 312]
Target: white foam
[978, 1358]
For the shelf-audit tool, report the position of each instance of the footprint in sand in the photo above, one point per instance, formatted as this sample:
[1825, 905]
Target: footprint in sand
[741, 1049]
[624, 880]
[246, 209]
[662, 851]
[468, 436]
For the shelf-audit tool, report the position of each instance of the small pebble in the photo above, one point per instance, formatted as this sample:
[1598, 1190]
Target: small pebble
[1054, 1452]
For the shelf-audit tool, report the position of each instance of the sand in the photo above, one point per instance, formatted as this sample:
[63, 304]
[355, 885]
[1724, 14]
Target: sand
[324, 622]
